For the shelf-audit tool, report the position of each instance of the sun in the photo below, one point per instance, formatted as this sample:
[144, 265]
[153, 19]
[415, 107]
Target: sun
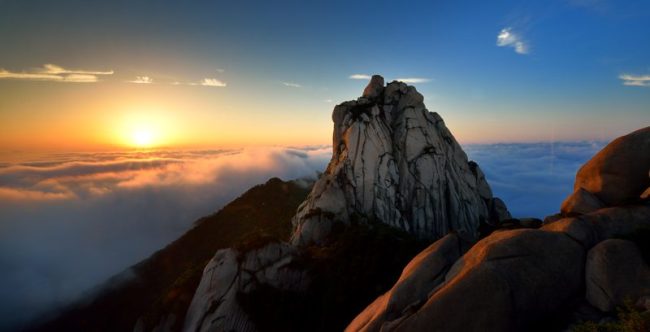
[143, 138]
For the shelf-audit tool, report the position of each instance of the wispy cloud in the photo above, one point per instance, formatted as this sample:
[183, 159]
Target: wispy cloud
[55, 73]
[142, 80]
[80, 78]
[360, 77]
[413, 80]
[220, 70]
[292, 85]
[56, 70]
[213, 82]
[410, 80]
[29, 76]
[508, 38]
[635, 80]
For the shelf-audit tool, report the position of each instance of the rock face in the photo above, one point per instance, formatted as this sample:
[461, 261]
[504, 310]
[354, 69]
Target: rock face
[506, 282]
[215, 306]
[516, 280]
[616, 272]
[397, 163]
[511, 280]
[421, 276]
[616, 175]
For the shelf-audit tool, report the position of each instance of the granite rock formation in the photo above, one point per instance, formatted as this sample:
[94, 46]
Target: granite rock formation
[616, 272]
[393, 163]
[616, 175]
[229, 273]
[516, 280]
[397, 163]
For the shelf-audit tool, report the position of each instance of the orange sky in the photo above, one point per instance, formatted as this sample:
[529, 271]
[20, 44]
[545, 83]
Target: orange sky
[53, 116]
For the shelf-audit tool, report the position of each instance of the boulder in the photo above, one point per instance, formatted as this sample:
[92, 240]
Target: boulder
[215, 305]
[615, 272]
[509, 281]
[595, 227]
[374, 88]
[646, 194]
[498, 210]
[421, 276]
[618, 174]
[581, 202]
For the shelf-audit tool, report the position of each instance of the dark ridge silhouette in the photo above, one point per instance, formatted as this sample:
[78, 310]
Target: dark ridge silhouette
[164, 283]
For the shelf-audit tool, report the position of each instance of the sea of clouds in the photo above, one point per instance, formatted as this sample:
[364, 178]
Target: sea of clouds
[70, 221]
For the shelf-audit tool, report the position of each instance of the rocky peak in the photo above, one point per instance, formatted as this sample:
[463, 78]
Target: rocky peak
[395, 162]
[375, 87]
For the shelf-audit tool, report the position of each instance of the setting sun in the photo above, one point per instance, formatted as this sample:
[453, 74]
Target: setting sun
[143, 138]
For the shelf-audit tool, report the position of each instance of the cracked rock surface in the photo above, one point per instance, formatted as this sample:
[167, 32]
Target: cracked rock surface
[395, 162]
[215, 306]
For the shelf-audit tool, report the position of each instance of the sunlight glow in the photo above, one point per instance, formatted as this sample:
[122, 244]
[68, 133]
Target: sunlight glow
[143, 138]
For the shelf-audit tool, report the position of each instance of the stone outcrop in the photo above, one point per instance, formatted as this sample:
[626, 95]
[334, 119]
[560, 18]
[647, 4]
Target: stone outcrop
[616, 272]
[511, 280]
[215, 306]
[616, 175]
[421, 276]
[514, 280]
[395, 162]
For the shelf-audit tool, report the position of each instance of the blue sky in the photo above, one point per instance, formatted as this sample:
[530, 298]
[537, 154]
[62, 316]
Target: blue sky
[497, 71]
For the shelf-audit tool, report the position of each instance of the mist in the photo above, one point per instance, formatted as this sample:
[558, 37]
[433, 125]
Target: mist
[68, 222]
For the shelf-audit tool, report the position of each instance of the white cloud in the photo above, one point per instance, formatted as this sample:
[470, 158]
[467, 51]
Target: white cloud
[51, 72]
[508, 38]
[220, 70]
[292, 85]
[29, 76]
[80, 78]
[212, 82]
[328, 101]
[360, 77]
[410, 80]
[142, 80]
[635, 80]
[413, 80]
[49, 68]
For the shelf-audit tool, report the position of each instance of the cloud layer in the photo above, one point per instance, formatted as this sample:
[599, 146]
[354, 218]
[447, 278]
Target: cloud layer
[508, 38]
[533, 179]
[69, 221]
